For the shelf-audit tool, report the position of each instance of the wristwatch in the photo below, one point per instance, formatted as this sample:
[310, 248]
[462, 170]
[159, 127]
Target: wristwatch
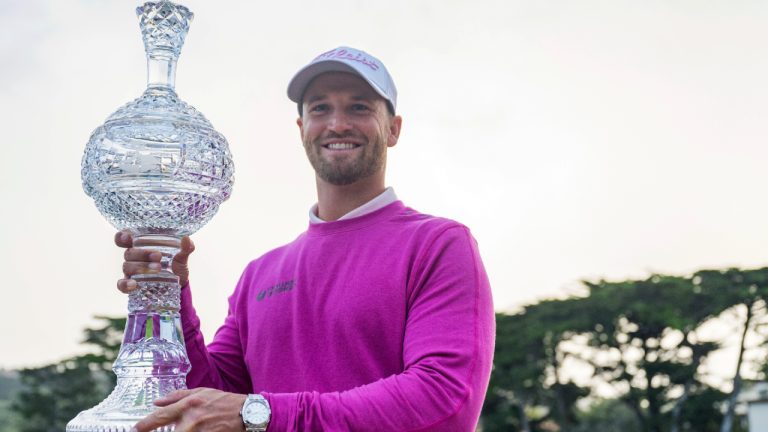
[255, 413]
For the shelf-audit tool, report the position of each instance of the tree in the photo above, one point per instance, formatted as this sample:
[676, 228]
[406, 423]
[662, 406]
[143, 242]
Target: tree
[558, 321]
[748, 291]
[643, 342]
[527, 390]
[515, 386]
[54, 394]
[607, 415]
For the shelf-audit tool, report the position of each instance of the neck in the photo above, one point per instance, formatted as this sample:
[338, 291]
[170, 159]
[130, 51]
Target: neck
[334, 201]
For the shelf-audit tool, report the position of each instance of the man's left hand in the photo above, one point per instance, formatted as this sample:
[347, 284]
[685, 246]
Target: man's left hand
[201, 409]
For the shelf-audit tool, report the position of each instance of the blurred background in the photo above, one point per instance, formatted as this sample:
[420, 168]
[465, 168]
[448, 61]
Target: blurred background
[608, 156]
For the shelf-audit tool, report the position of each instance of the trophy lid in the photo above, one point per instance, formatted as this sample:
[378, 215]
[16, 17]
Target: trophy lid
[164, 25]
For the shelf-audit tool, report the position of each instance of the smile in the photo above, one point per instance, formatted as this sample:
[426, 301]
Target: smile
[341, 146]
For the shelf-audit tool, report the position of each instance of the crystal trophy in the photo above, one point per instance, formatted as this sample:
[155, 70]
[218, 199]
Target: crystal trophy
[158, 168]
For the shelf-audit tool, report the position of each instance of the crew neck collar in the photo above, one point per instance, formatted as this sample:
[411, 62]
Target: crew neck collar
[337, 226]
[382, 200]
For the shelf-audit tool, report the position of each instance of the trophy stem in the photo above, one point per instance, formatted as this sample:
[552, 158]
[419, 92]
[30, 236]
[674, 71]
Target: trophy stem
[152, 361]
[153, 344]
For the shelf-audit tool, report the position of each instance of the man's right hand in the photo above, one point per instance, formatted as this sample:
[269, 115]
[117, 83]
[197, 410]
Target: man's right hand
[146, 261]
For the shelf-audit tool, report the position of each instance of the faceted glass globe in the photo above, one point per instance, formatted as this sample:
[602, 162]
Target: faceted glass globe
[157, 166]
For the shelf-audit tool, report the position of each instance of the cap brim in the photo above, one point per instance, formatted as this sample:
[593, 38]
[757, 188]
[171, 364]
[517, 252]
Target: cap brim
[301, 80]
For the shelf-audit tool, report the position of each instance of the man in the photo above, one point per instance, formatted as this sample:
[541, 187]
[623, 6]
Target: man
[377, 318]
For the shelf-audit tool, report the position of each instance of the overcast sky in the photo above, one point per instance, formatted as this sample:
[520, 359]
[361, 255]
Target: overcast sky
[577, 139]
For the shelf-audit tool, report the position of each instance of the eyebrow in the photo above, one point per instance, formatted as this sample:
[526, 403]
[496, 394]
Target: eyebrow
[315, 98]
[320, 97]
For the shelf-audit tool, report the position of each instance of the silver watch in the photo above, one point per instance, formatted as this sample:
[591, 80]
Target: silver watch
[255, 413]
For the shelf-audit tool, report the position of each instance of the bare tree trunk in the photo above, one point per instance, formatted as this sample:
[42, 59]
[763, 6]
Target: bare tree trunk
[565, 425]
[554, 360]
[678, 409]
[727, 425]
[679, 405]
[633, 401]
[635, 407]
[653, 406]
[680, 402]
[524, 425]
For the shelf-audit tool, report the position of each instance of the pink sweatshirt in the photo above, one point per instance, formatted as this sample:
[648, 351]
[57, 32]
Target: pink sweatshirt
[382, 322]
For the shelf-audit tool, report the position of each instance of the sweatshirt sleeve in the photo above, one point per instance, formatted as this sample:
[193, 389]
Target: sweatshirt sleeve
[447, 355]
[219, 365]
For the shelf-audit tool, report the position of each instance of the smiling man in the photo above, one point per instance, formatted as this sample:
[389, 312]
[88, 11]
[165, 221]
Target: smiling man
[376, 318]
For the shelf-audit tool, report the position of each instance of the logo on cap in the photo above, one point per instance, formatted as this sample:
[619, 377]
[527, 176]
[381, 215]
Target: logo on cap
[346, 55]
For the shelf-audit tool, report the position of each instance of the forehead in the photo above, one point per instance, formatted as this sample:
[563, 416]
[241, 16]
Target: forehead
[339, 83]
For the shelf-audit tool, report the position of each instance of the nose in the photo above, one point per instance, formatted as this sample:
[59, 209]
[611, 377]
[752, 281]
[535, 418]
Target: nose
[339, 122]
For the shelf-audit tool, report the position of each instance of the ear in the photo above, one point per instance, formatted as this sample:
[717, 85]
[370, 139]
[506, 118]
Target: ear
[395, 125]
[300, 124]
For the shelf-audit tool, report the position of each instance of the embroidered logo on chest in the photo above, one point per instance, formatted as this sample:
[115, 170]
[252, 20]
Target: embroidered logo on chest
[280, 288]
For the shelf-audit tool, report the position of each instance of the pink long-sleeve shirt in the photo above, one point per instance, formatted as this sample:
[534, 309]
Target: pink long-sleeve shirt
[383, 322]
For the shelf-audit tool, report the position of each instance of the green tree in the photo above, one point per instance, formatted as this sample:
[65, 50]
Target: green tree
[526, 389]
[643, 342]
[53, 394]
[9, 386]
[558, 321]
[607, 415]
[746, 290]
[515, 385]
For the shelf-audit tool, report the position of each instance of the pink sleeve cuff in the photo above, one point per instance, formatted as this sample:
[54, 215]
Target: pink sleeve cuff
[283, 406]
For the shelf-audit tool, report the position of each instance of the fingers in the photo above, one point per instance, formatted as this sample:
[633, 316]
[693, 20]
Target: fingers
[127, 286]
[161, 417]
[175, 396]
[148, 255]
[172, 409]
[140, 261]
[131, 268]
[200, 409]
[187, 247]
[124, 239]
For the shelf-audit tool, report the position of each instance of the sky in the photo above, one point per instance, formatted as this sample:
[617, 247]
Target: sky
[577, 140]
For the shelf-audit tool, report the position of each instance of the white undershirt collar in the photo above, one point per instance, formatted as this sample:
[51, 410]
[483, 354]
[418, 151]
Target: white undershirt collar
[382, 200]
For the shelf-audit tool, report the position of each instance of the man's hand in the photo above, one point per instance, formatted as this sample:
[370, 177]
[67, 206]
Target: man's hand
[201, 409]
[144, 261]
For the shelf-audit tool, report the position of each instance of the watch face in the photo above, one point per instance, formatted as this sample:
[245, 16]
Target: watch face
[256, 413]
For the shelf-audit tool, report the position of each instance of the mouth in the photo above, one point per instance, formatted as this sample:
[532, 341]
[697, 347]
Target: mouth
[340, 146]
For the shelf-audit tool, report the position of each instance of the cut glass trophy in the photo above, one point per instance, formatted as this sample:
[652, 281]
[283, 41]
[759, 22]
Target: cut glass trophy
[158, 168]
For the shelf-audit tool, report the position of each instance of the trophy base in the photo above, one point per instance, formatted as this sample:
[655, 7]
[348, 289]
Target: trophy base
[88, 421]
[129, 402]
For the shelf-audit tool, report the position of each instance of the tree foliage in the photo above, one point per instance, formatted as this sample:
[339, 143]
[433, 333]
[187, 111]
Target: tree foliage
[52, 395]
[641, 339]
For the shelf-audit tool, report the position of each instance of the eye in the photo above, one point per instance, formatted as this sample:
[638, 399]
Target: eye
[319, 108]
[360, 107]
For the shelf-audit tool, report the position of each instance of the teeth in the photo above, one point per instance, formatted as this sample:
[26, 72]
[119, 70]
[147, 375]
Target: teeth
[341, 146]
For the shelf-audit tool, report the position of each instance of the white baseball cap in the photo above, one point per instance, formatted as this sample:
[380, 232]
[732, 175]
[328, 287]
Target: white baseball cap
[345, 59]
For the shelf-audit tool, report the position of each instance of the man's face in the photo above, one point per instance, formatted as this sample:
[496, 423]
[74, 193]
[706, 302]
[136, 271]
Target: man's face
[346, 128]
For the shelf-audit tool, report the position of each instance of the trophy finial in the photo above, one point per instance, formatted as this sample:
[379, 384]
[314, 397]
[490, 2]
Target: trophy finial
[164, 25]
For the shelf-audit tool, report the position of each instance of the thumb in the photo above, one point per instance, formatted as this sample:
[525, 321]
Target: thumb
[187, 247]
[179, 264]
